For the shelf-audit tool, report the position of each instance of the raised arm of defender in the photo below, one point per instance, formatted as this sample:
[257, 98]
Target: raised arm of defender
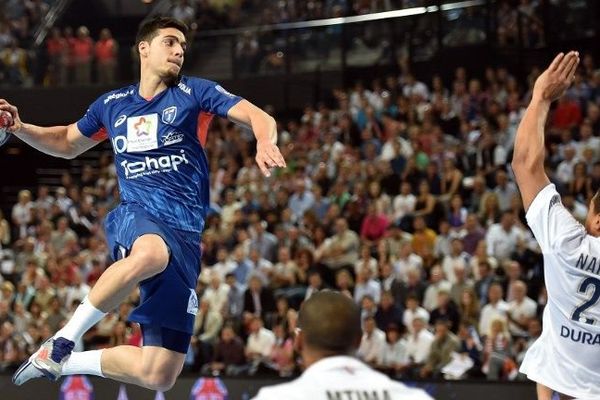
[529, 152]
[58, 141]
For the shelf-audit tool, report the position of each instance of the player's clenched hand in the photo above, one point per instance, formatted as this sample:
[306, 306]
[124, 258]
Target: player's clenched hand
[268, 156]
[555, 80]
[14, 112]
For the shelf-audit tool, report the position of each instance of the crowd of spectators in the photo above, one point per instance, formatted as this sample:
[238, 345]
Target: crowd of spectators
[398, 193]
[18, 21]
[72, 57]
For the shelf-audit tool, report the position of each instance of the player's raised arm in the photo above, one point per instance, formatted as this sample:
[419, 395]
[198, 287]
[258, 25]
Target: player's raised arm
[58, 141]
[529, 152]
[265, 130]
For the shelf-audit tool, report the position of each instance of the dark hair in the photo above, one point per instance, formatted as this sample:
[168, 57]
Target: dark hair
[148, 30]
[330, 322]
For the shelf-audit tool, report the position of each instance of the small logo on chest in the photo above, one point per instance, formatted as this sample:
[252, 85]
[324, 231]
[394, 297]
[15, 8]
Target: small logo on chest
[169, 114]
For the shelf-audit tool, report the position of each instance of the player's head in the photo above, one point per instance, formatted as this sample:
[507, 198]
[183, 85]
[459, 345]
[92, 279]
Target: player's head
[329, 324]
[592, 220]
[161, 45]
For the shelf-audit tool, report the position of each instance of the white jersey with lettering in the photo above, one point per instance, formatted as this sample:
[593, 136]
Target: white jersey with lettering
[566, 357]
[341, 378]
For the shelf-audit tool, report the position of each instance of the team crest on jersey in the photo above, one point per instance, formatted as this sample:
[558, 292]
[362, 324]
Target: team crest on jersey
[169, 114]
[142, 133]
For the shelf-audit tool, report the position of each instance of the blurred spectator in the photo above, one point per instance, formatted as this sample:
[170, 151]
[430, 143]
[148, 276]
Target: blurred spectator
[260, 344]
[106, 51]
[436, 285]
[393, 354]
[83, 53]
[228, 356]
[56, 45]
[497, 360]
[366, 286]
[418, 347]
[442, 347]
[495, 309]
[207, 326]
[521, 310]
[217, 293]
[282, 353]
[388, 313]
[15, 61]
[21, 213]
[446, 311]
[502, 237]
[258, 300]
[372, 343]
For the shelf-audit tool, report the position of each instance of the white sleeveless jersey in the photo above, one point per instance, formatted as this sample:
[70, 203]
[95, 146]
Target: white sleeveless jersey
[341, 378]
[566, 357]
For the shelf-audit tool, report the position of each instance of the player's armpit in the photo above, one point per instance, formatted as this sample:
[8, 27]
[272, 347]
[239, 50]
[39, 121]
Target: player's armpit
[530, 181]
[79, 143]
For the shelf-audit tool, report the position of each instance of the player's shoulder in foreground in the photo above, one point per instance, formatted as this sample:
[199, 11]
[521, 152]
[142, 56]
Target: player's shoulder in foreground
[117, 94]
[202, 85]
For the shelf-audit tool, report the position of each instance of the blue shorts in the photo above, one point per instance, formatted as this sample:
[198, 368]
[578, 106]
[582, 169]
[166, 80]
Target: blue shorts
[168, 299]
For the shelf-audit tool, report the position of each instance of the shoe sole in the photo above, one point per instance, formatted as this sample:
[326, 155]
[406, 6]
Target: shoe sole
[24, 366]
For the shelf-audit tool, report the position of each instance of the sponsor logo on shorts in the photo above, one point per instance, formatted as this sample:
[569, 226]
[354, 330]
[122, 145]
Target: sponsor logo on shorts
[153, 165]
[192, 307]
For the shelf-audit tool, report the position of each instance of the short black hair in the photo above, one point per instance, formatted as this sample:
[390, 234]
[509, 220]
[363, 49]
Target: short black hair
[148, 30]
[330, 322]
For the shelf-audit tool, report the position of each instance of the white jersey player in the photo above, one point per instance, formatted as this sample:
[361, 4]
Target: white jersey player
[330, 331]
[566, 358]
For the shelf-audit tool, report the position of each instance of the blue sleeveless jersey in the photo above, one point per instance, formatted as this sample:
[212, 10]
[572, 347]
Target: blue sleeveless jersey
[158, 146]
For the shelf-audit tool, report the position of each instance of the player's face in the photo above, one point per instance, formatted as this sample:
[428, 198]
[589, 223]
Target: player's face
[592, 220]
[165, 53]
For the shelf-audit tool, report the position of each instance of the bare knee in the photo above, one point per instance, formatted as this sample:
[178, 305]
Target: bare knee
[160, 380]
[149, 256]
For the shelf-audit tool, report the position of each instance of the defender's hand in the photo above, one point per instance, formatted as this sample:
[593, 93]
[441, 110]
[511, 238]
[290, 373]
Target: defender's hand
[555, 80]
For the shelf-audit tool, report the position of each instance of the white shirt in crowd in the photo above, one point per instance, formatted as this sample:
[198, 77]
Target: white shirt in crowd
[431, 293]
[526, 308]
[371, 346]
[261, 342]
[404, 205]
[418, 346]
[500, 243]
[394, 354]
[217, 298]
[490, 312]
[409, 315]
[343, 378]
[571, 322]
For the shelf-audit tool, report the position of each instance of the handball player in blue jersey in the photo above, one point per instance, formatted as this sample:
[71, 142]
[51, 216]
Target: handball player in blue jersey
[158, 131]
